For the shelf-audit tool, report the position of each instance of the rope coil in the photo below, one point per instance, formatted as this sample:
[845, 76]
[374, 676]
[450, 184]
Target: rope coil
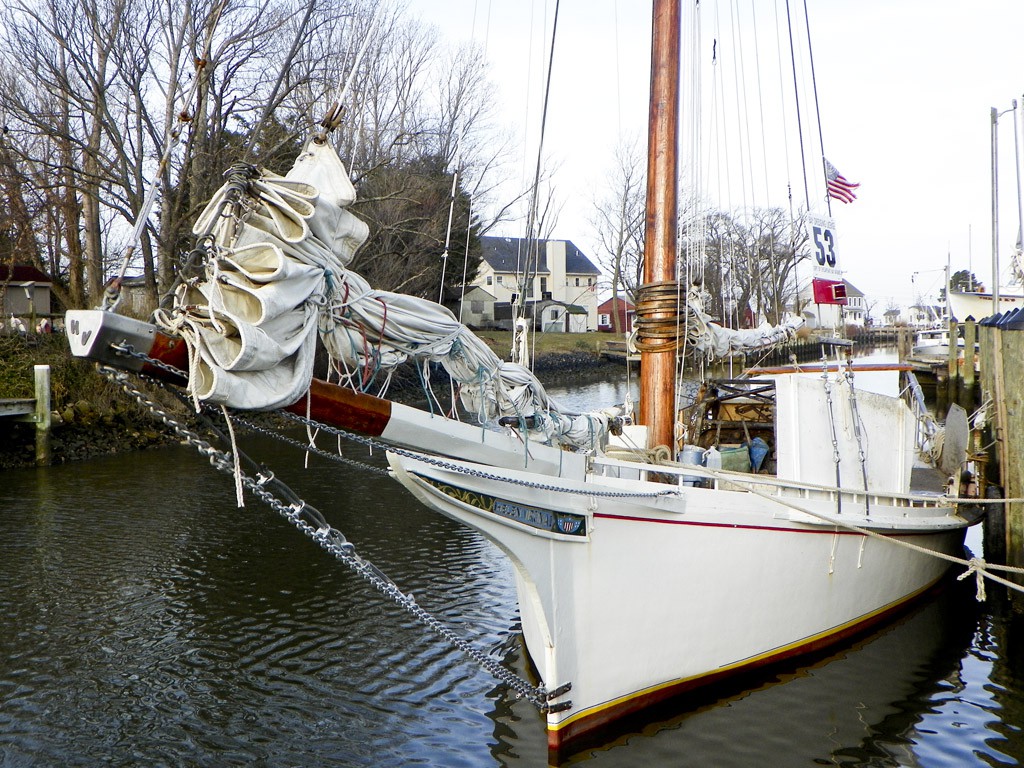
[660, 313]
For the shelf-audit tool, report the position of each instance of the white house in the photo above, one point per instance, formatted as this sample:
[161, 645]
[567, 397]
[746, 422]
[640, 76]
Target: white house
[475, 307]
[561, 293]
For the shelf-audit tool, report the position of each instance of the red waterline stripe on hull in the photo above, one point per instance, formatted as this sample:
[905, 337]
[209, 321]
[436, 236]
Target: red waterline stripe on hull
[777, 529]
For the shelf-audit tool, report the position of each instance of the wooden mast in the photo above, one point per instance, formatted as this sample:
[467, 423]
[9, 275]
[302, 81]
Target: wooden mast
[657, 368]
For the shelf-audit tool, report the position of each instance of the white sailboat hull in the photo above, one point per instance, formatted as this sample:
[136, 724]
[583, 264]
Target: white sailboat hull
[964, 304]
[654, 596]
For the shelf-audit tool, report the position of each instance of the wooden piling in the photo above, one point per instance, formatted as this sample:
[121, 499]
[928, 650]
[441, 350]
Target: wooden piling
[953, 364]
[1001, 354]
[970, 339]
[904, 343]
[34, 411]
[42, 415]
[1011, 413]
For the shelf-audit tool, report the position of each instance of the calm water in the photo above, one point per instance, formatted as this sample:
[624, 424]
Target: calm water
[147, 621]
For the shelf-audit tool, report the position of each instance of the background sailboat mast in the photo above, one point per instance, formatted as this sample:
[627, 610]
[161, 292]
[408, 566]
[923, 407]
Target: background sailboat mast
[657, 388]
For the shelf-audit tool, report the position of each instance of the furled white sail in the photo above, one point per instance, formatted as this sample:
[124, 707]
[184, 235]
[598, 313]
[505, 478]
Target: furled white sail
[277, 274]
[715, 340]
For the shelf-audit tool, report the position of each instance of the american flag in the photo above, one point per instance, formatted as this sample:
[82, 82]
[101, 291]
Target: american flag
[838, 186]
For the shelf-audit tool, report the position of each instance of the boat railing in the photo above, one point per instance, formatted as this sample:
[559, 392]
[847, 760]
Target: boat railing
[696, 476]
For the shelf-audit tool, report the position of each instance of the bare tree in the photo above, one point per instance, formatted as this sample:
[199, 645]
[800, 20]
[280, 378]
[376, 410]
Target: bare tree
[618, 222]
[750, 264]
[94, 92]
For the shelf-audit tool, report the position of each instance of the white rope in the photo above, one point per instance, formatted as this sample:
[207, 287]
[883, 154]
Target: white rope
[235, 458]
[977, 567]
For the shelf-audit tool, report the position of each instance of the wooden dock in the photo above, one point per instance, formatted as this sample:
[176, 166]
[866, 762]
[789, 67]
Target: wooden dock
[999, 447]
[35, 411]
[617, 352]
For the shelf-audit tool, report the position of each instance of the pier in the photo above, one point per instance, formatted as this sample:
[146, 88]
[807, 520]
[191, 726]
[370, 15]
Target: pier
[34, 410]
[1001, 368]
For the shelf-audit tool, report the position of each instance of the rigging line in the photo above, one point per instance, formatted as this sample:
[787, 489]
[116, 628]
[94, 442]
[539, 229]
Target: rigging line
[270, 104]
[747, 166]
[487, 23]
[789, 182]
[782, 105]
[531, 220]
[760, 98]
[719, 115]
[817, 105]
[976, 566]
[451, 214]
[172, 137]
[465, 255]
[773, 298]
[347, 86]
[310, 521]
[527, 102]
[742, 115]
[799, 118]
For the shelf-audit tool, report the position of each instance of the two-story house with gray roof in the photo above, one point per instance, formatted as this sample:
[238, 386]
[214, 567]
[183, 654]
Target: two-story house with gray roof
[561, 294]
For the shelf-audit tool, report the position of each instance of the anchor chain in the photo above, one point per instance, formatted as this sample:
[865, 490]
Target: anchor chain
[442, 464]
[832, 424]
[861, 455]
[126, 349]
[309, 521]
[310, 447]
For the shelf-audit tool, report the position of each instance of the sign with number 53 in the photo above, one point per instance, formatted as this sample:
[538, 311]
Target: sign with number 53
[821, 235]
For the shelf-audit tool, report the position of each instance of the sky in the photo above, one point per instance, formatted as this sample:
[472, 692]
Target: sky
[905, 90]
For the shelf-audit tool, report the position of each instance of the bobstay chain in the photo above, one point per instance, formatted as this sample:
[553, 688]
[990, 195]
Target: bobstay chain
[311, 523]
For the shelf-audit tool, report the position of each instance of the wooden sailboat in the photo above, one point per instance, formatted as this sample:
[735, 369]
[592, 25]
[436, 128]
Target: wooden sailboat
[638, 576]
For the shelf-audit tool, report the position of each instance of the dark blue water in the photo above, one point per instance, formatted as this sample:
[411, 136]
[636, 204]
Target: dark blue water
[144, 620]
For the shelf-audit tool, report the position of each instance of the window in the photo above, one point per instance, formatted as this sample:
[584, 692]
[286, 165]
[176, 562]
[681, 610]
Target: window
[529, 289]
[499, 279]
[476, 306]
[590, 281]
[490, 279]
[603, 319]
[577, 282]
[543, 286]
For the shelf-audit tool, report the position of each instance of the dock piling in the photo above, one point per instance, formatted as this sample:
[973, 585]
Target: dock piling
[42, 415]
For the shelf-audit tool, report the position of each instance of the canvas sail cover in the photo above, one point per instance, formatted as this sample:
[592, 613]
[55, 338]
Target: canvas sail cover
[277, 275]
[716, 341]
